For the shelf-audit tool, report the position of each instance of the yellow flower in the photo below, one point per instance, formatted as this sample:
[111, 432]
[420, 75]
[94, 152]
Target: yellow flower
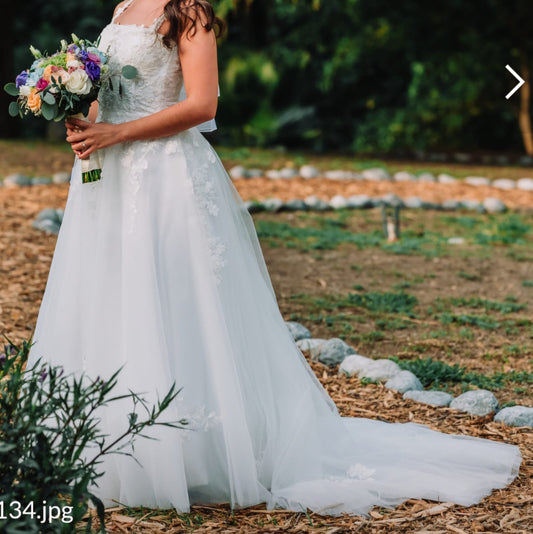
[71, 57]
[34, 101]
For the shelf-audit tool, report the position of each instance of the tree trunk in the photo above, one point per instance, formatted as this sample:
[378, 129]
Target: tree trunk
[7, 7]
[524, 118]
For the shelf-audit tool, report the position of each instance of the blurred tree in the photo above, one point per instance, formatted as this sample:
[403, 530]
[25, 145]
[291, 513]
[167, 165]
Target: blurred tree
[7, 126]
[365, 75]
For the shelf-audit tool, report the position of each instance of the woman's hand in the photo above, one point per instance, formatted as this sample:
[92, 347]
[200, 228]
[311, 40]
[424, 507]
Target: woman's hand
[86, 137]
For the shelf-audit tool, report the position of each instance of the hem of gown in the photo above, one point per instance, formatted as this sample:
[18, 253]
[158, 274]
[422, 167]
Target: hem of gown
[275, 503]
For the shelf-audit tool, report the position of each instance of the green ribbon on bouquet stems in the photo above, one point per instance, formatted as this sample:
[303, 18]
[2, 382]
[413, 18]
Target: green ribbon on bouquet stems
[90, 168]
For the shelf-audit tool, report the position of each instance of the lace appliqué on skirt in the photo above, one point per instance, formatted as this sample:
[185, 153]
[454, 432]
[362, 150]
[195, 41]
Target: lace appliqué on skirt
[202, 180]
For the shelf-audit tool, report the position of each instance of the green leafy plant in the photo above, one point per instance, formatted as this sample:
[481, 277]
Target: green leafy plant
[48, 423]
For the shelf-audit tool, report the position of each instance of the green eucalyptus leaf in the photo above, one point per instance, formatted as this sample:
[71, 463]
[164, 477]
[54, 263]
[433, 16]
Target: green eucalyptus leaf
[11, 89]
[49, 99]
[129, 72]
[49, 112]
[14, 109]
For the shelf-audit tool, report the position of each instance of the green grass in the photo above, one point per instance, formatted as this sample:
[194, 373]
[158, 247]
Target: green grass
[328, 231]
[488, 305]
[435, 374]
[382, 302]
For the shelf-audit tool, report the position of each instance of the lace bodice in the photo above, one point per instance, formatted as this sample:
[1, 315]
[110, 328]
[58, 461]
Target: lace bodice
[159, 79]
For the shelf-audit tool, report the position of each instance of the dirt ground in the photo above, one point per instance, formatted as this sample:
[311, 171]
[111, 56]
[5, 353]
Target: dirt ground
[25, 260]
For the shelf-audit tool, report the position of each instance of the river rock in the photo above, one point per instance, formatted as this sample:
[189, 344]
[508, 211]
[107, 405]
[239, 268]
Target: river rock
[359, 201]
[311, 344]
[504, 183]
[298, 331]
[338, 202]
[435, 398]
[273, 174]
[376, 175]
[41, 180]
[288, 173]
[316, 204]
[515, 416]
[273, 204]
[338, 174]
[309, 171]
[50, 214]
[16, 180]
[404, 381]
[47, 226]
[238, 172]
[404, 176]
[333, 351]
[446, 179]
[390, 199]
[477, 402]
[413, 202]
[525, 184]
[61, 177]
[49, 221]
[451, 204]
[295, 204]
[255, 173]
[382, 369]
[477, 180]
[472, 205]
[353, 364]
[494, 205]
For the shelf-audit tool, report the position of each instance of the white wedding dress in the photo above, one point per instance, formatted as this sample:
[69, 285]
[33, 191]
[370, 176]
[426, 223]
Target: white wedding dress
[158, 268]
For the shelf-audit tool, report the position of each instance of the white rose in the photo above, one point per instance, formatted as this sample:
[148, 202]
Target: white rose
[79, 83]
[74, 64]
[24, 90]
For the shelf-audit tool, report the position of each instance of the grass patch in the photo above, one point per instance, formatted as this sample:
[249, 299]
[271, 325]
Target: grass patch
[488, 305]
[435, 374]
[375, 301]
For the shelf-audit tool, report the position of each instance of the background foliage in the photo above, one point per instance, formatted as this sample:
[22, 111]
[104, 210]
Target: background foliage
[358, 75]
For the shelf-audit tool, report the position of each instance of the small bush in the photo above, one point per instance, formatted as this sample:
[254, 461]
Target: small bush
[47, 423]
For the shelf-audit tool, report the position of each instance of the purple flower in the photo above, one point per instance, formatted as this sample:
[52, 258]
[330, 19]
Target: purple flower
[92, 70]
[43, 376]
[2, 360]
[82, 55]
[21, 78]
[73, 49]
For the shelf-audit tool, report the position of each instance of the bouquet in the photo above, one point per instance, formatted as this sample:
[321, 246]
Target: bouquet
[62, 85]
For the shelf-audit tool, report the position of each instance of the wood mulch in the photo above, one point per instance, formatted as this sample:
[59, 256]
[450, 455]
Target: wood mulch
[24, 265]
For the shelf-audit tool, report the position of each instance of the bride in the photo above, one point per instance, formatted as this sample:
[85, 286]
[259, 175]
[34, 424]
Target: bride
[157, 267]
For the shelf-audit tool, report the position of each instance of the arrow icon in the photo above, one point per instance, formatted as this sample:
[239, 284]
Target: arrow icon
[521, 82]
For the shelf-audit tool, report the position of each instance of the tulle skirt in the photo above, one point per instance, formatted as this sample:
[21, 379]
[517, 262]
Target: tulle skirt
[158, 268]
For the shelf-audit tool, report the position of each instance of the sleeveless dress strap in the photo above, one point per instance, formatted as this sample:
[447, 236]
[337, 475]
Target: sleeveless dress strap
[158, 21]
[121, 9]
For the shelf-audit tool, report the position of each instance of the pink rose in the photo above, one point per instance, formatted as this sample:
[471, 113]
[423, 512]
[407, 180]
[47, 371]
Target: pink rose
[41, 84]
[95, 58]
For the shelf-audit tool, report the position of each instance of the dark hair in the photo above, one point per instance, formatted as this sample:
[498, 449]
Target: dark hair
[182, 16]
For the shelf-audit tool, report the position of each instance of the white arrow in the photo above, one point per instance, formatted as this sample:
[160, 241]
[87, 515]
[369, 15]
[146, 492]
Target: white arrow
[521, 82]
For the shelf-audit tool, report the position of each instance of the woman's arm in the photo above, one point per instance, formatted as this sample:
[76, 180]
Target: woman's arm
[198, 58]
